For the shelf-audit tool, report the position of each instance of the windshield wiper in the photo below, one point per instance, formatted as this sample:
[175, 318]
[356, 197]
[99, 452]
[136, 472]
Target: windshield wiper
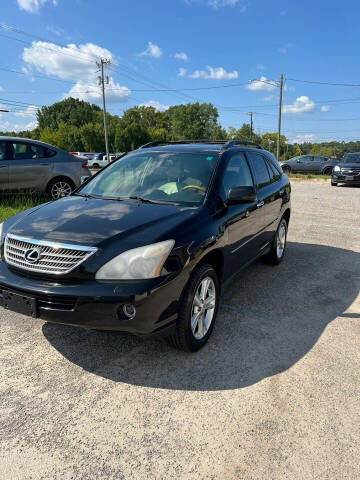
[142, 199]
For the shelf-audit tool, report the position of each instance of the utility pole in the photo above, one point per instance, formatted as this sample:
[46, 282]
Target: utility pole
[251, 125]
[280, 112]
[102, 80]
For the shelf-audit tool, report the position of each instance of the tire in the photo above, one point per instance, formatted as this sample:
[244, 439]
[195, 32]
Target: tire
[186, 337]
[276, 254]
[334, 184]
[327, 171]
[60, 187]
[95, 165]
[286, 169]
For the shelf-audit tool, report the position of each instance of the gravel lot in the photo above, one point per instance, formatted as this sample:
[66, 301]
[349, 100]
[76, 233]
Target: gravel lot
[274, 395]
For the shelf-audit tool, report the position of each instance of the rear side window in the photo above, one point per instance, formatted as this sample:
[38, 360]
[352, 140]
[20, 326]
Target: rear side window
[274, 174]
[237, 173]
[3, 146]
[262, 175]
[26, 151]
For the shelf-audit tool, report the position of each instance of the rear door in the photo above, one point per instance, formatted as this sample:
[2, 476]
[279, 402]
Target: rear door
[303, 164]
[242, 222]
[316, 163]
[4, 166]
[269, 195]
[30, 167]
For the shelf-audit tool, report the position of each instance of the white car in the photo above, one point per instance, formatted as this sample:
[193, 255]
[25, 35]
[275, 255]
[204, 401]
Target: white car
[100, 160]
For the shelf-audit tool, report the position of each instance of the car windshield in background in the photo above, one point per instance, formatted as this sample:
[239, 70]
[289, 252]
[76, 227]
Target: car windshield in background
[157, 176]
[351, 158]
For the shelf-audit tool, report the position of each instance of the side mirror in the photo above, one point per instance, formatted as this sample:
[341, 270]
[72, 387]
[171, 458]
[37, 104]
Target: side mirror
[242, 195]
[83, 179]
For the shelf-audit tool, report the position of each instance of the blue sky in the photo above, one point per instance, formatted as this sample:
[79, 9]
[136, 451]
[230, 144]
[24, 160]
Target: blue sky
[188, 44]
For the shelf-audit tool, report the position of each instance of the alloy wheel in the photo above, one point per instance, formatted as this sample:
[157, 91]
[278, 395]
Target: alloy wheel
[281, 240]
[203, 308]
[60, 189]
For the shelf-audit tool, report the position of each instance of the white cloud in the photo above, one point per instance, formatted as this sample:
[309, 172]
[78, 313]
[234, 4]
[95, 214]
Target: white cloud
[91, 92]
[182, 72]
[325, 108]
[152, 51]
[155, 104]
[9, 126]
[282, 50]
[268, 98]
[219, 3]
[68, 63]
[218, 73]
[301, 105]
[303, 138]
[262, 84]
[181, 56]
[30, 111]
[33, 6]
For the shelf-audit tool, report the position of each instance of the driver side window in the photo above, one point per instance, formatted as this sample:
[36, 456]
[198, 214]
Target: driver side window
[237, 173]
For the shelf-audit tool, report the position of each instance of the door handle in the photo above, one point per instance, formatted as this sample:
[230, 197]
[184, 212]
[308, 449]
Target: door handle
[43, 164]
[260, 204]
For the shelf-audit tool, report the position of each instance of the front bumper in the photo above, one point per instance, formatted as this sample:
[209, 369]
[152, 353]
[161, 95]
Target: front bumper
[340, 178]
[94, 305]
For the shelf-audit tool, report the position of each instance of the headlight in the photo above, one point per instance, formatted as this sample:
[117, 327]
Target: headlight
[139, 263]
[336, 168]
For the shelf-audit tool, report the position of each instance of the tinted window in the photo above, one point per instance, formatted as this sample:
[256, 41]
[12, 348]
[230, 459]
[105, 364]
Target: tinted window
[261, 171]
[274, 174]
[2, 150]
[237, 173]
[307, 158]
[351, 158]
[25, 151]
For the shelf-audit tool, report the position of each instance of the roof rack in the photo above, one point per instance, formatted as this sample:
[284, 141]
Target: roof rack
[226, 143]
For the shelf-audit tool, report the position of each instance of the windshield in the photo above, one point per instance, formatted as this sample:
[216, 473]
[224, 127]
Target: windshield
[351, 158]
[158, 176]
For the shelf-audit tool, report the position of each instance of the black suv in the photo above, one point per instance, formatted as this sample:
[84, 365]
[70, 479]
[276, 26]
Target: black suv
[146, 245]
[347, 171]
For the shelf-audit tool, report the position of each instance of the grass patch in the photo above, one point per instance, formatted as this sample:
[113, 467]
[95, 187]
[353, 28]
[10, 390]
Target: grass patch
[11, 205]
[309, 176]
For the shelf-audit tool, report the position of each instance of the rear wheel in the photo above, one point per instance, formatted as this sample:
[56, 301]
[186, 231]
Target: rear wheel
[60, 187]
[96, 165]
[198, 310]
[334, 184]
[278, 246]
[327, 171]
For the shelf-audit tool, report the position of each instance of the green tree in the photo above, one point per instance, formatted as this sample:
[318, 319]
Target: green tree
[70, 111]
[193, 121]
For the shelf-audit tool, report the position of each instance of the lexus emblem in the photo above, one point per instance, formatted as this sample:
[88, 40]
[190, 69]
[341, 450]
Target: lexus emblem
[32, 255]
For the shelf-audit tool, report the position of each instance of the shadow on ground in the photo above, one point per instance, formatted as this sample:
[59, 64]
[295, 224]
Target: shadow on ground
[269, 319]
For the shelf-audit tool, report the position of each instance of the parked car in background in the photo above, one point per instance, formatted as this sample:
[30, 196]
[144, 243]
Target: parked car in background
[147, 245]
[31, 166]
[100, 160]
[89, 156]
[309, 164]
[347, 171]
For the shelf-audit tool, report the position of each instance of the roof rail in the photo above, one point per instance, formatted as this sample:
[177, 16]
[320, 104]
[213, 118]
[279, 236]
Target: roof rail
[226, 143]
[183, 142]
[233, 143]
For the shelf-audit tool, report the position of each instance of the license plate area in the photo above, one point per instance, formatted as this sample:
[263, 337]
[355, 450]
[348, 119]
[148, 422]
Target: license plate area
[349, 177]
[20, 303]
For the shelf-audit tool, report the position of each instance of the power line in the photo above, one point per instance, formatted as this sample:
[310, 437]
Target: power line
[35, 75]
[326, 83]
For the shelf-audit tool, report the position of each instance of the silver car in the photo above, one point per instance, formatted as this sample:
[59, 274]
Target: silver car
[309, 164]
[30, 166]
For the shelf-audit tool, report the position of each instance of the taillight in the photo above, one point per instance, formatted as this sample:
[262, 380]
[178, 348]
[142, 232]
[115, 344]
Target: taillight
[84, 165]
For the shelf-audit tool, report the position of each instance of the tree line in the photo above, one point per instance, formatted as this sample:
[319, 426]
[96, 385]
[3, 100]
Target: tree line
[75, 125]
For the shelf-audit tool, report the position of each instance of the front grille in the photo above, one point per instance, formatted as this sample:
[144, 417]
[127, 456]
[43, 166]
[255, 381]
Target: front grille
[351, 171]
[43, 256]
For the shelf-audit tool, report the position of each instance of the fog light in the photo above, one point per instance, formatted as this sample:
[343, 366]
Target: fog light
[129, 310]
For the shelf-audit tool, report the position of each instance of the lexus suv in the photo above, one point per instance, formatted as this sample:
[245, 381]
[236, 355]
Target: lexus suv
[348, 171]
[31, 166]
[147, 244]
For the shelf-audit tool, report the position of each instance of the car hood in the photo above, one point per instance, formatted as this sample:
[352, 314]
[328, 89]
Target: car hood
[349, 165]
[94, 222]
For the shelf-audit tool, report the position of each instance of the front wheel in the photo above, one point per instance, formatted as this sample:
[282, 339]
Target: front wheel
[334, 184]
[278, 246]
[198, 310]
[286, 169]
